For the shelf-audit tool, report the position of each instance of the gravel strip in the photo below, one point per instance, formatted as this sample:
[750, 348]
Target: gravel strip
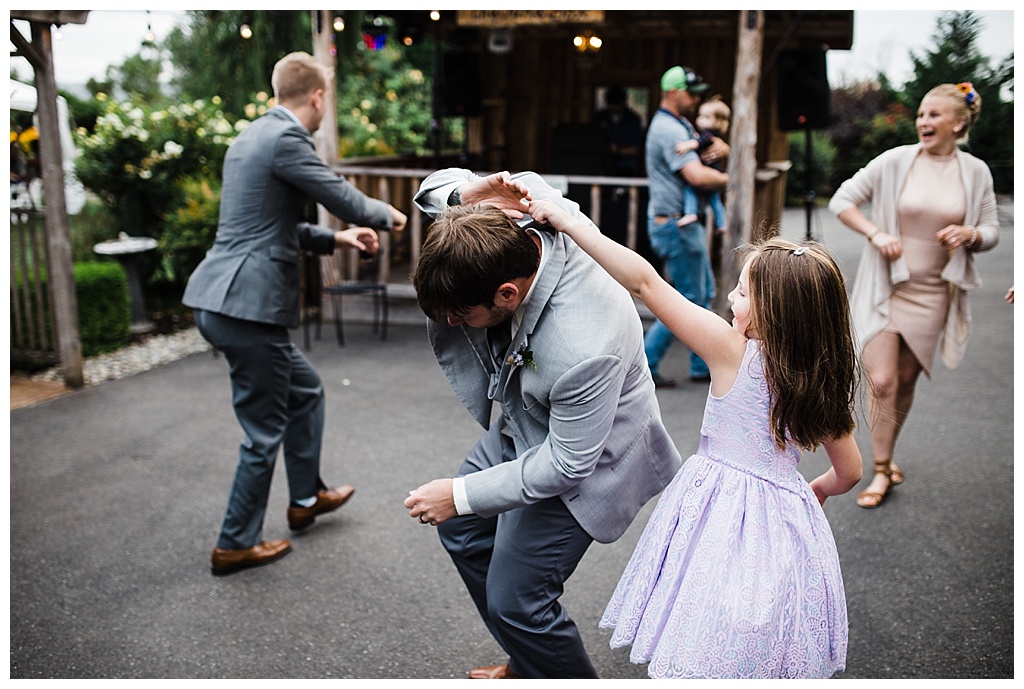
[136, 358]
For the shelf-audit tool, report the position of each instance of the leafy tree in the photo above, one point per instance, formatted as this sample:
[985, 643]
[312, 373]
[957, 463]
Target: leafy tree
[211, 57]
[866, 121]
[956, 58]
[823, 155]
[139, 76]
[384, 102]
[384, 97]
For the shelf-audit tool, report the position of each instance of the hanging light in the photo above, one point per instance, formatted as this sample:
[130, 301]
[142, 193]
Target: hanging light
[339, 24]
[375, 35]
[587, 42]
[434, 15]
[150, 36]
[245, 31]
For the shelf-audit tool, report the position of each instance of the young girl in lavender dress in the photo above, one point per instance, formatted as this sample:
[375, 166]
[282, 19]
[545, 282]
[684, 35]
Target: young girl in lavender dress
[737, 574]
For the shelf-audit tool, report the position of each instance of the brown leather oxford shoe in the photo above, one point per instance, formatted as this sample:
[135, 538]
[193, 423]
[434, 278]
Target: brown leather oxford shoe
[326, 501]
[493, 672]
[225, 561]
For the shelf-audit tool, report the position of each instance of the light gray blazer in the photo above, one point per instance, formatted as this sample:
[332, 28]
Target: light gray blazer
[585, 422]
[270, 172]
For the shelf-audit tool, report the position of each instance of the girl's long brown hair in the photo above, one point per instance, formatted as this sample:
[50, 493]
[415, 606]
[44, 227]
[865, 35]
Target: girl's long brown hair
[800, 310]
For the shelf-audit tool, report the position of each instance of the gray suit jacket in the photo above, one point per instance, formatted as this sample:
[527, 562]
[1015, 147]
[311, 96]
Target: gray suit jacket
[270, 171]
[585, 422]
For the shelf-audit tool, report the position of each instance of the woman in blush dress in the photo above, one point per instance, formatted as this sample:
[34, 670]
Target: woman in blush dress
[932, 208]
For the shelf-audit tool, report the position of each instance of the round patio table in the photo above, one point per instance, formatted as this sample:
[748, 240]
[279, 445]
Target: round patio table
[127, 250]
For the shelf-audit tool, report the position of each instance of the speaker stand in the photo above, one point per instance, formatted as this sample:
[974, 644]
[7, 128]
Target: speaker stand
[809, 196]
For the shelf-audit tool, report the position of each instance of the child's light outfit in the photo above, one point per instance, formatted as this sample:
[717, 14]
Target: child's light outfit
[694, 198]
[736, 574]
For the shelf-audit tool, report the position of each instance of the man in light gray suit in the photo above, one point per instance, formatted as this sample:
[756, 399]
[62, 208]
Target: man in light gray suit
[519, 315]
[246, 293]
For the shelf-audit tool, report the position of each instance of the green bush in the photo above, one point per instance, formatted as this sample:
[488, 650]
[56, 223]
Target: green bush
[823, 157]
[104, 307]
[189, 231]
[135, 155]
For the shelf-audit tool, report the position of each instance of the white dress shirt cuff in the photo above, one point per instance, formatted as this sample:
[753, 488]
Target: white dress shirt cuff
[459, 495]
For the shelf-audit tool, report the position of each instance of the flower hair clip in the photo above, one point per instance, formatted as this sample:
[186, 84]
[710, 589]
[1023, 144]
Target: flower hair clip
[799, 251]
[521, 357]
[968, 90]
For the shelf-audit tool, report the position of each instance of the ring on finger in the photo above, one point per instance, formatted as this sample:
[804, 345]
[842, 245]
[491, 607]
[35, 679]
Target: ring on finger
[422, 520]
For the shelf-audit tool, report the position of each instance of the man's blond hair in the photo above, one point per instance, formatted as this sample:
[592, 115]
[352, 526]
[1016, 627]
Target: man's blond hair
[297, 75]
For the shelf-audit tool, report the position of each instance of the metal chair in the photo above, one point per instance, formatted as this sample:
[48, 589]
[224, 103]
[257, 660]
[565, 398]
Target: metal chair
[368, 278]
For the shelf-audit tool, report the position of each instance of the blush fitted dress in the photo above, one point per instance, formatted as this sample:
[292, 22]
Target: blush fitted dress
[932, 198]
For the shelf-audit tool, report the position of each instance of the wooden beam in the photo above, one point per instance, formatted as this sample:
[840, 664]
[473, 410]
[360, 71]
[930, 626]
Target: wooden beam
[55, 17]
[58, 242]
[739, 214]
[326, 137]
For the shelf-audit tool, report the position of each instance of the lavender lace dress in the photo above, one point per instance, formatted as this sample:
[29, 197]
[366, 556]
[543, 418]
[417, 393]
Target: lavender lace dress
[736, 574]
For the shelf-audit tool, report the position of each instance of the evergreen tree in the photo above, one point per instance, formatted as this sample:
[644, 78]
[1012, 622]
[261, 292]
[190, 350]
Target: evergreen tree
[869, 118]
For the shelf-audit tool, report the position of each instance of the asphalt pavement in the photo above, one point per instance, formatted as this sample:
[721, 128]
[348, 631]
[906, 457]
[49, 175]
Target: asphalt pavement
[117, 492]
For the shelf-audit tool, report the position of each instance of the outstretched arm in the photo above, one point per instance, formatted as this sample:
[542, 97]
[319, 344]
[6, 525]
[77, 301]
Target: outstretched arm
[453, 186]
[703, 331]
[362, 238]
[500, 191]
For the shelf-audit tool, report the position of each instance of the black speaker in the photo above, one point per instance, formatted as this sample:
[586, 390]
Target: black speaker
[803, 92]
[460, 84]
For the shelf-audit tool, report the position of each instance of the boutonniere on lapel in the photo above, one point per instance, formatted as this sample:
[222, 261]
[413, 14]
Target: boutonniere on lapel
[521, 357]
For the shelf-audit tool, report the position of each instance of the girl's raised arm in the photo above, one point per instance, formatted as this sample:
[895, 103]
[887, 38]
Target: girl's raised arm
[703, 331]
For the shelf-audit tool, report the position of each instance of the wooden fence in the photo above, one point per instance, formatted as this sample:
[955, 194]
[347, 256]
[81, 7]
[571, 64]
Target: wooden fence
[32, 331]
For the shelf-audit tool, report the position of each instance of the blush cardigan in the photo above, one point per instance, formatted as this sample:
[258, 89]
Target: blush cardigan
[880, 183]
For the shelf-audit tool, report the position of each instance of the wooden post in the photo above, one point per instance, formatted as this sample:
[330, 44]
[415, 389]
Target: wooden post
[739, 214]
[58, 242]
[326, 137]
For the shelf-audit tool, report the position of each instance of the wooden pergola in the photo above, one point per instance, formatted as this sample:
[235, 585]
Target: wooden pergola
[38, 50]
[518, 76]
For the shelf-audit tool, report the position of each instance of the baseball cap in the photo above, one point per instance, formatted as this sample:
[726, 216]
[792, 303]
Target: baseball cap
[682, 79]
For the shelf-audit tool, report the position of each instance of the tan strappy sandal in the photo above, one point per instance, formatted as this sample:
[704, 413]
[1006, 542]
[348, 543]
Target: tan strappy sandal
[871, 499]
[895, 474]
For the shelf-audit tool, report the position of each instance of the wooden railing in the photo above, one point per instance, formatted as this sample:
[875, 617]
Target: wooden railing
[397, 186]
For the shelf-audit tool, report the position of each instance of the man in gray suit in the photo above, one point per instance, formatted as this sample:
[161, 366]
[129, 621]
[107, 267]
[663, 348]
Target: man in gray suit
[519, 315]
[246, 294]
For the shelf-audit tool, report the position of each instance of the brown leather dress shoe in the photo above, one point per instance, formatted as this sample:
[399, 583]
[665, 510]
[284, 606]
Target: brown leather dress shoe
[326, 501]
[493, 672]
[225, 561]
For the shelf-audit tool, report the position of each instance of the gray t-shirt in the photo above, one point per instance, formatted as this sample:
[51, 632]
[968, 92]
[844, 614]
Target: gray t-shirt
[663, 164]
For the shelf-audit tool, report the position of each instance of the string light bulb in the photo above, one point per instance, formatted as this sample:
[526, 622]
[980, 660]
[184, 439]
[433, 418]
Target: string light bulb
[339, 24]
[434, 15]
[245, 31]
[587, 42]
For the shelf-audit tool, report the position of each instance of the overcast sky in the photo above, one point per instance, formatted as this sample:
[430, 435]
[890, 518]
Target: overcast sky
[882, 40]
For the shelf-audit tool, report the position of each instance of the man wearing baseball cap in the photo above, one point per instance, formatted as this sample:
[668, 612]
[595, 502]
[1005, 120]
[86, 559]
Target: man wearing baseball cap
[684, 249]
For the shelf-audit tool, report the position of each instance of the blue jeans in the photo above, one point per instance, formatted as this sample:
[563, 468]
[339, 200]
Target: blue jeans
[685, 253]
